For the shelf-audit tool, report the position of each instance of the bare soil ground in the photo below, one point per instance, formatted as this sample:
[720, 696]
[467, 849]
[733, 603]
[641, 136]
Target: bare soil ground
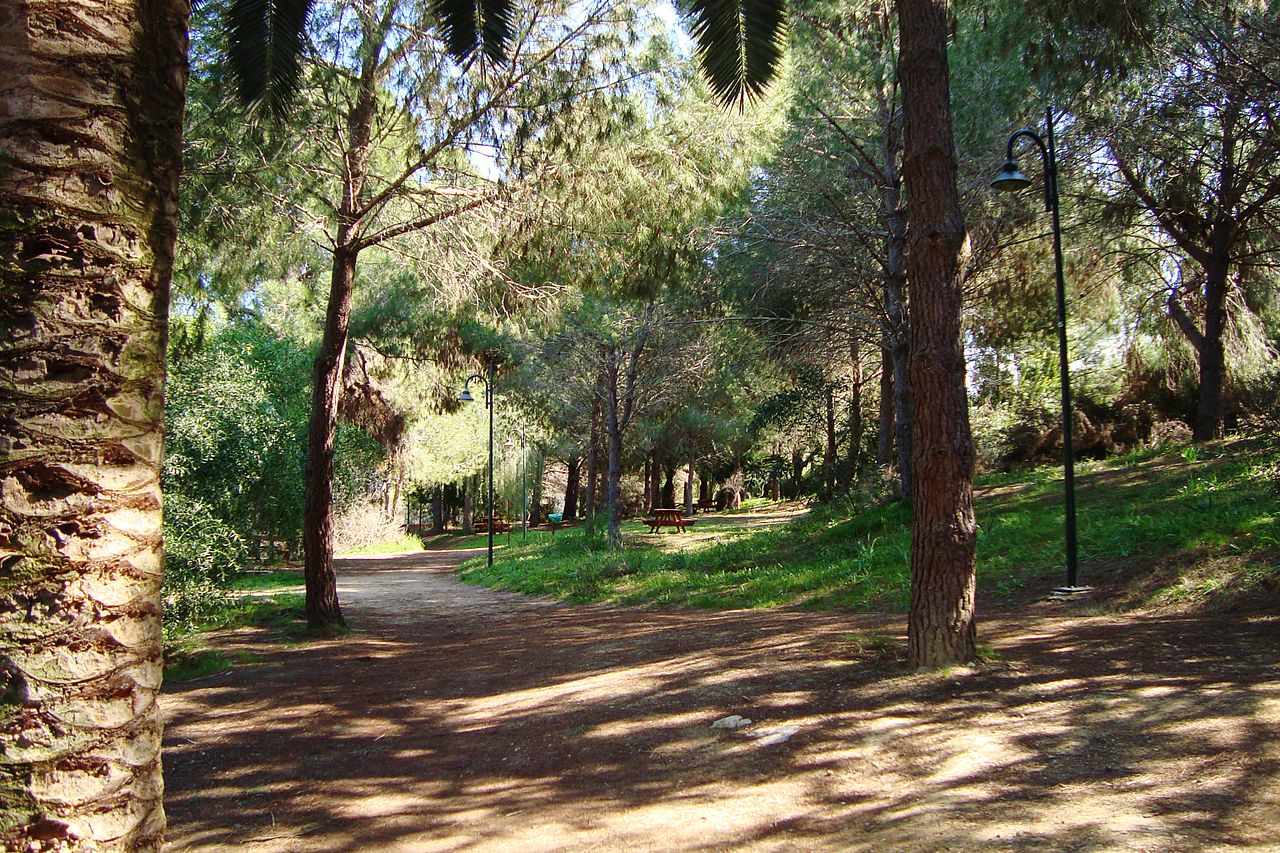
[459, 718]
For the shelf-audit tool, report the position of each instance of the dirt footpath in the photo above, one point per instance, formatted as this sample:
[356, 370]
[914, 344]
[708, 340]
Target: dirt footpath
[458, 718]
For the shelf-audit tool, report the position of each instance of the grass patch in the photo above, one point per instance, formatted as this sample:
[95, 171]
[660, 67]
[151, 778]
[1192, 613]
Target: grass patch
[276, 579]
[282, 615]
[1134, 511]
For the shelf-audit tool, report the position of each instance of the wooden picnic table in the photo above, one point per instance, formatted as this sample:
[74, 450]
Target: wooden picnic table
[667, 517]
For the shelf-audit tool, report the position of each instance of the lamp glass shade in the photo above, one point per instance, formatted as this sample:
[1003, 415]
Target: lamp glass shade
[465, 396]
[1010, 178]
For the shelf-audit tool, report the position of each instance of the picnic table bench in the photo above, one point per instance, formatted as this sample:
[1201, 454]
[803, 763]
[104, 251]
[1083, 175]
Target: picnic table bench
[706, 505]
[481, 525]
[668, 518]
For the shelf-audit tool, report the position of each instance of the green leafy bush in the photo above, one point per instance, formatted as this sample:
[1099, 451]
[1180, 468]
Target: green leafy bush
[202, 554]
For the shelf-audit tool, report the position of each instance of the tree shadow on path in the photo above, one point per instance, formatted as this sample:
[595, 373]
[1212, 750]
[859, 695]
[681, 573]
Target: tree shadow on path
[462, 718]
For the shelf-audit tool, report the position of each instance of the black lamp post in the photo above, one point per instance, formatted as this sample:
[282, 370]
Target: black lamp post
[1011, 179]
[466, 397]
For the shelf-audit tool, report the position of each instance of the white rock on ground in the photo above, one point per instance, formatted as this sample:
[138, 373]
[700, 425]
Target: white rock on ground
[733, 721]
[782, 734]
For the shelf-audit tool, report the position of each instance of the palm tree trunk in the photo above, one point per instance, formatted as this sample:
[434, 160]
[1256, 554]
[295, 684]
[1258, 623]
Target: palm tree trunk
[940, 627]
[88, 190]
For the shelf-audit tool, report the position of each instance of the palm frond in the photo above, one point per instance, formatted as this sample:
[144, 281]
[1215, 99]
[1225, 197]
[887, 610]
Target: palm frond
[264, 50]
[740, 44]
[471, 25]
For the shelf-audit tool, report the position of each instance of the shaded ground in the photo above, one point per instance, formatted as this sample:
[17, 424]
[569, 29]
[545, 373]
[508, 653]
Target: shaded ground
[459, 718]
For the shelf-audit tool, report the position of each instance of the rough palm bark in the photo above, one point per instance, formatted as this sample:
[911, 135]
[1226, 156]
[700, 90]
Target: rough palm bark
[91, 145]
[941, 626]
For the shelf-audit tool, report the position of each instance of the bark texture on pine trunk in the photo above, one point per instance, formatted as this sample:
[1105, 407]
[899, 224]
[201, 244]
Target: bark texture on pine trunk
[323, 609]
[941, 626]
[88, 219]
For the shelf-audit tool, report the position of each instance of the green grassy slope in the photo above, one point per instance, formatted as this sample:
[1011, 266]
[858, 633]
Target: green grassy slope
[1156, 529]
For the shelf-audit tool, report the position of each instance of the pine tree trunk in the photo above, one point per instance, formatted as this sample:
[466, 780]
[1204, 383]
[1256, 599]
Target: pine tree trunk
[1212, 353]
[688, 491]
[669, 487]
[91, 142]
[437, 510]
[855, 410]
[593, 466]
[323, 610]
[535, 500]
[574, 475]
[941, 626]
[897, 322]
[829, 458]
[884, 440]
[613, 484]
[468, 508]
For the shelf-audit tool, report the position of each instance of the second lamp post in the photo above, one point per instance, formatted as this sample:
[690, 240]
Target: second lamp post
[1011, 179]
[466, 397]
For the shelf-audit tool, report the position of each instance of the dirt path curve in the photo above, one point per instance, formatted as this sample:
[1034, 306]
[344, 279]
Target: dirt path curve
[458, 718]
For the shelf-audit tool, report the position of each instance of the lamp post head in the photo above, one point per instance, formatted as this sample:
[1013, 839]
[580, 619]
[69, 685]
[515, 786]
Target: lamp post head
[1010, 178]
[465, 396]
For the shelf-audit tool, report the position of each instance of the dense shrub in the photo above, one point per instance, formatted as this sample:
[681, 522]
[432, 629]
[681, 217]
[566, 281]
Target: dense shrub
[362, 525]
[202, 552]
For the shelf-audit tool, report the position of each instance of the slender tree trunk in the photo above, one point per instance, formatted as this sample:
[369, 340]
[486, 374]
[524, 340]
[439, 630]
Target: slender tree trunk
[1212, 352]
[897, 325]
[535, 499]
[688, 491]
[941, 625]
[468, 507]
[437, 510]
[323, 609]
[593, 465]
[91, 142]
[574, 475]
[855, 410]
[613, 430]
[829, 458]
[650, 500]
[884, 440]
